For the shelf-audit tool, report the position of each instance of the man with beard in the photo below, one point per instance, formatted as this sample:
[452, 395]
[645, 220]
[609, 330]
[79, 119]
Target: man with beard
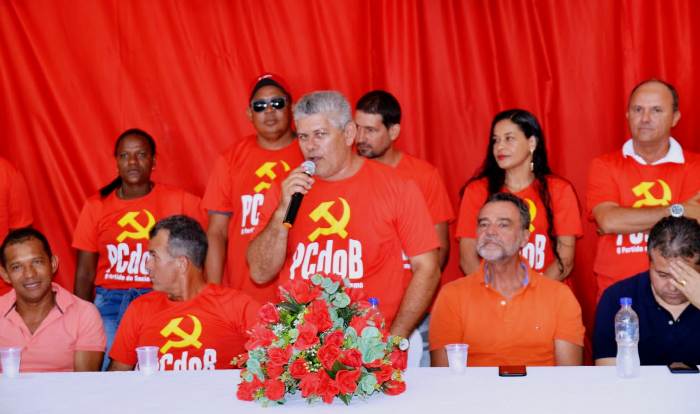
[378, 119]
[507, 313]
[665, 297]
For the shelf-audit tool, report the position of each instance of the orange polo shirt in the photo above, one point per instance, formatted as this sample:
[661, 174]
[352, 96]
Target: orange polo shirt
[72, 325]
[501, 331]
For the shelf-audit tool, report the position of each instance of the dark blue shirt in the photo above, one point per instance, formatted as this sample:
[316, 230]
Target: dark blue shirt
[662, 340]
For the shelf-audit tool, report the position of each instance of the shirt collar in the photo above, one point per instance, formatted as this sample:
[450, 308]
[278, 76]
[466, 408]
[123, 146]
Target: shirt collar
[674, 154]
[64, 300]
[487, 274]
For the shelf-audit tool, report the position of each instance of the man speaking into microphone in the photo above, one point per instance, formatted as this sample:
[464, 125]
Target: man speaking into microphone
[356, 218]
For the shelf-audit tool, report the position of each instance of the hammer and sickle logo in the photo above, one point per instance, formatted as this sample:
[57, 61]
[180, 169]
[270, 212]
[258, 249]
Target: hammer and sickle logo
[643, 189]
[335, 226]
[268, 170]
[533, 213]
[141, 232]
[186, 339]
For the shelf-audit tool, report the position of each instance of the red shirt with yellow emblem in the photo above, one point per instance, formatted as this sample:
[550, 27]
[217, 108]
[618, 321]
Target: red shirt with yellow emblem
[15, 208]
[538, 251]
[357, 228]
[237, 186]
[118, 229]
[205, 332]
[622, 180]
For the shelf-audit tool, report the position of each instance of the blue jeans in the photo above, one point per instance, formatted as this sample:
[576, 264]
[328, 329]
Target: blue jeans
[112, 304]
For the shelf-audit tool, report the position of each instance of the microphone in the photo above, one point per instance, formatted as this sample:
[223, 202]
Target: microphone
[309, 169]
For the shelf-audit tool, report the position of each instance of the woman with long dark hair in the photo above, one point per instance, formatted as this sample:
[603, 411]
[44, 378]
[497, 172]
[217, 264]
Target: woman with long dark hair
[111, 236]
[516, 162]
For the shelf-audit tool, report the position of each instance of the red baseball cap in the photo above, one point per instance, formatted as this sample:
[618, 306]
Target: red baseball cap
[269, 79]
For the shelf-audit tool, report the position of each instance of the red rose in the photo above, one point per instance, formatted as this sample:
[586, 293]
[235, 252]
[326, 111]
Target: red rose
[260, 336]
[356, 295]
[327, 389]
[394, 387]
[268, 313]
[279, 356]
[384, 373]
[328, 354]
[298, 369]
[358, 323]
[399, 359]
[274, 370]
[335, 338]
[308, 336]
[246, 390]
[319, 316]
[274, 389]
[302, 291]
[347, 380]
[309, 384]
[351, 358]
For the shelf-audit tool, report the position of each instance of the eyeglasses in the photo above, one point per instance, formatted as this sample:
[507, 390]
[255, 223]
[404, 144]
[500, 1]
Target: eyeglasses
[262, 104]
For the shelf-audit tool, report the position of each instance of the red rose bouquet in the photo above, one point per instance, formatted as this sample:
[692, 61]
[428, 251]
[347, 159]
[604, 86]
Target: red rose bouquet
[323, 341]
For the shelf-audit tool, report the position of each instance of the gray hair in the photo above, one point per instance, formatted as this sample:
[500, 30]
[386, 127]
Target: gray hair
[330, 103]
[186, 238]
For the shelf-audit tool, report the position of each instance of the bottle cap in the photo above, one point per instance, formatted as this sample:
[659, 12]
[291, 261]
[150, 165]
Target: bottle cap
[625, 301]
[373, 302]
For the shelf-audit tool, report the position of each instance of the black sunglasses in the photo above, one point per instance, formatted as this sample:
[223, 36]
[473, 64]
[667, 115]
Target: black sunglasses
[262, 104]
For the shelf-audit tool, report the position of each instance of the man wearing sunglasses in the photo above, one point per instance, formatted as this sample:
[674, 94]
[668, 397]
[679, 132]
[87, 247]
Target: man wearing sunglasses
[239, 181]
[356, 219]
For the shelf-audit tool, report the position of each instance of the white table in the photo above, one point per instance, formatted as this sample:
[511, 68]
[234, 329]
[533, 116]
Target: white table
[589, 390]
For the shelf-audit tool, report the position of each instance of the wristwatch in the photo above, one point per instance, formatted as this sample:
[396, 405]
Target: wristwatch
[676, 210]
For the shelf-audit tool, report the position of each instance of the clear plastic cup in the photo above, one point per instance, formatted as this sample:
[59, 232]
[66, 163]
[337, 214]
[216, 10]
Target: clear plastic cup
[147, 359]
[457, 357]
[10, 358]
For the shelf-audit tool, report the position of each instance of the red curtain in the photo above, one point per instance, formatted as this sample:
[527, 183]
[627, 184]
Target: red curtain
[75, 73]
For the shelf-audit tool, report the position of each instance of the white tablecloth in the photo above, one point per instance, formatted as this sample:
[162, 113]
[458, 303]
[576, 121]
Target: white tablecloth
[590, 390]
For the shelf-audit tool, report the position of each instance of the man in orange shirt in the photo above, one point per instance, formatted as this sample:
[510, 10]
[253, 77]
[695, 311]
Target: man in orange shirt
[56, 330]
[651, 178]
[195, 325]
[356, 219]
[15, 214]
[507, 313]
[238, 183]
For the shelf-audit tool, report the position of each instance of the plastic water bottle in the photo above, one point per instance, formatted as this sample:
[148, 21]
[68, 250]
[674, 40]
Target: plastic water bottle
[627, 337]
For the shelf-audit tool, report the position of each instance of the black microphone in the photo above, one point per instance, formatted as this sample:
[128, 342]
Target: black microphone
[309, 169]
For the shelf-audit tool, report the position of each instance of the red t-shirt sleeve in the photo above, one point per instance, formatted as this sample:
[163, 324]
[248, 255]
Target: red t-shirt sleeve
[242, 310]
[569, 323]
[601, 185]
[85, 234]
[91, 336]
[437, 199]
[266, 211]
[416, 231]
[126, 338]
[20, 209]
[691, 184]
[192, 206]
[217, 196]
[473, 198]
[567, 215]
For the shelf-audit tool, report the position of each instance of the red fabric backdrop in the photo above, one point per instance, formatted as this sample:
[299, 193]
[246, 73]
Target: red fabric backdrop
[75, 73]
